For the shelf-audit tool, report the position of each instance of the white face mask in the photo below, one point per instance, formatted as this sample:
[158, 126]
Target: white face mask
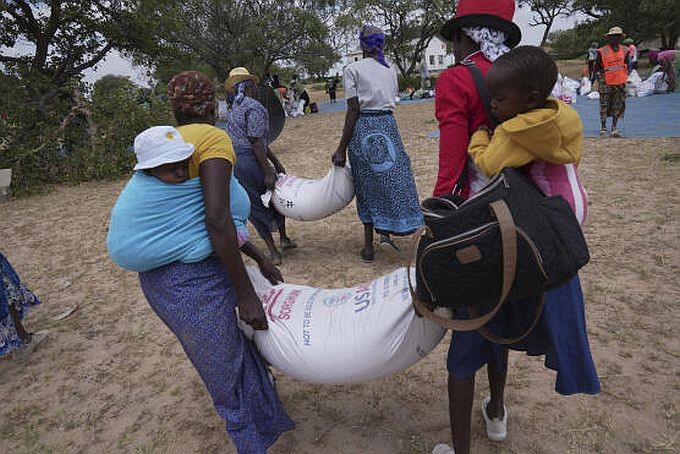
[491, 42]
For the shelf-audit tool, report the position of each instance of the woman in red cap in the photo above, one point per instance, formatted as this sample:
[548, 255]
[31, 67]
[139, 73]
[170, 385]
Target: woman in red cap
[482, 31]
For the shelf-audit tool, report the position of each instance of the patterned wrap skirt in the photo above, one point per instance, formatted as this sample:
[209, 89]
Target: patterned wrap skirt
[612, 99]
[13, 293]
[384, 185]
[250, 175]
[197, 302]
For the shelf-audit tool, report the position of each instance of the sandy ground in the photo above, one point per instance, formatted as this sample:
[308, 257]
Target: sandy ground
[114, 379]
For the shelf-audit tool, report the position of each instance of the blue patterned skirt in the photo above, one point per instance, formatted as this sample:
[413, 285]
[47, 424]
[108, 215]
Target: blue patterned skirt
[197, 302]
[383, 181]
[560, 335]
[15, 294]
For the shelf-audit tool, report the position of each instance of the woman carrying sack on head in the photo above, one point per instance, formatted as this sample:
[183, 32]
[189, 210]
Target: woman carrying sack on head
[481, 31]
[387, 200]
[248, 126]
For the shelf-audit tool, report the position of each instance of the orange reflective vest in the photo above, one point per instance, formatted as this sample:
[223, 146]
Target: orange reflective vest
[614, 65]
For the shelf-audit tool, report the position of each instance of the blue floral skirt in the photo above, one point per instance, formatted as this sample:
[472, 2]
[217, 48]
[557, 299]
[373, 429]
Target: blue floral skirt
[15, 294]
[383, 181]
[197, 302]
[560, 335]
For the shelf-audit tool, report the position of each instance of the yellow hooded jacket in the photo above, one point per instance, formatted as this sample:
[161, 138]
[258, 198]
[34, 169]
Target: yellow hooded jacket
[553, 134]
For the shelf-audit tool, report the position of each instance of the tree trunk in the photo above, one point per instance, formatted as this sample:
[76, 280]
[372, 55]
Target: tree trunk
[548, 26]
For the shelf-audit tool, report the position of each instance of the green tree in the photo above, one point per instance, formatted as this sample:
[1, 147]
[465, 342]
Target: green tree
[48, 46]
[223, 34]
[545, 13]
[410, 24]
[640, 19]
[318, 58]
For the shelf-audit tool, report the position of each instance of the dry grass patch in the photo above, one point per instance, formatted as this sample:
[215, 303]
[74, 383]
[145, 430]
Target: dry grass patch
[114, 379]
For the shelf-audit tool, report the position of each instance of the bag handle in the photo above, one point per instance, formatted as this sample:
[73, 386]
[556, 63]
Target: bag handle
[488, 335]
[509, 240]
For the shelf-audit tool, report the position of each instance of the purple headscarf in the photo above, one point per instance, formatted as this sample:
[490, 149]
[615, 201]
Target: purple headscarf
[372, 41]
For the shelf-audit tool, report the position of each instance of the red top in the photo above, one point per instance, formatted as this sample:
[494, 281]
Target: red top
[460, 112]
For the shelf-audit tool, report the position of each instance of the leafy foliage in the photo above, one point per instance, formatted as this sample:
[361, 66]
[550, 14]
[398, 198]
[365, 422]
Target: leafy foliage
[51, 134]
[223, 34]
[545, 13]
[411, 25]
[640, 19]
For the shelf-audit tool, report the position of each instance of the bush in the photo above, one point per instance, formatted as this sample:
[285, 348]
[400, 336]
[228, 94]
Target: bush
[76, 139]
[415, 81]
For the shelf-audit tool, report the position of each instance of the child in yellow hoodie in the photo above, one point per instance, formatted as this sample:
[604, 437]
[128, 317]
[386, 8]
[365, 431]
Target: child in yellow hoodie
[541, 135]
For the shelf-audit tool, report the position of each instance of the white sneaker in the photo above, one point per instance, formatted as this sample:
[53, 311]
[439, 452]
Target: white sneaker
[443, 448]
[496, 429]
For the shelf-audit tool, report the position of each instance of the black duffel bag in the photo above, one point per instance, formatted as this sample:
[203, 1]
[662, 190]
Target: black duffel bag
[508, 242]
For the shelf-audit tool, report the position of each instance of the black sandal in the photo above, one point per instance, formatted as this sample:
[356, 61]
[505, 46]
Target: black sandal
[367, 256]
[385, 240]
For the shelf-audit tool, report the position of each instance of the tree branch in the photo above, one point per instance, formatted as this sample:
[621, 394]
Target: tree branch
[8, 59]
[93, 61]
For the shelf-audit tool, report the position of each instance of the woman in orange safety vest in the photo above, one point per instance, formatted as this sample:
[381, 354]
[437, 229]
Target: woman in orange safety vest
[612, 66]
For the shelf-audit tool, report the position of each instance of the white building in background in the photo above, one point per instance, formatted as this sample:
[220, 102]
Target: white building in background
[437, 58]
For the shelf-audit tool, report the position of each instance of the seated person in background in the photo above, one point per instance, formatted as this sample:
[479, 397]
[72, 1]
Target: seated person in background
[15, 301]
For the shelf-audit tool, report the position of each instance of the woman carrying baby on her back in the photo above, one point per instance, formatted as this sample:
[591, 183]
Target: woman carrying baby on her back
[180, 223]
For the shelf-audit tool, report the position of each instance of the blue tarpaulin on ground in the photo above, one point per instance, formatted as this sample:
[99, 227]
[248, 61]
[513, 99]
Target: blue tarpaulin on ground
[651, 116]
[341, 105]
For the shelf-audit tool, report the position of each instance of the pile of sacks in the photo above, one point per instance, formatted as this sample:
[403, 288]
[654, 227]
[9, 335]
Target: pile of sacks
[566, 89]
[654, 84]
[635, 86]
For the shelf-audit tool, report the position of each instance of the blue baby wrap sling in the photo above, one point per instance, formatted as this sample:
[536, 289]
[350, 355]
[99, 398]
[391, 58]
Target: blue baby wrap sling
[155, 223]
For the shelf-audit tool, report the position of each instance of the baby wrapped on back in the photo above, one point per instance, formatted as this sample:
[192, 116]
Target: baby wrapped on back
[159, 218]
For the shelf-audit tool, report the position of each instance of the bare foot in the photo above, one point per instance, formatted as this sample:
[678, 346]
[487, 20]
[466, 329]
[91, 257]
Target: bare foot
[276, 258]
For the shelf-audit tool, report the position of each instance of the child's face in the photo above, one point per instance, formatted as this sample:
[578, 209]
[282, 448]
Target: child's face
[508, 97]
[173, 173]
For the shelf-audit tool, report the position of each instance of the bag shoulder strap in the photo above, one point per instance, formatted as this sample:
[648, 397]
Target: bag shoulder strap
[484, 95]
[483, 92]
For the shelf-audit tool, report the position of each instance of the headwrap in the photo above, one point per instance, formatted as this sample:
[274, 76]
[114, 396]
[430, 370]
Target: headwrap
[240, 90]
[491, 42]
[192, 93]
[372, 42]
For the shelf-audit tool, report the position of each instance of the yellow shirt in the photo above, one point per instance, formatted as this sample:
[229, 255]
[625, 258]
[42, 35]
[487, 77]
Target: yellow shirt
[209, 142]
[553, 134]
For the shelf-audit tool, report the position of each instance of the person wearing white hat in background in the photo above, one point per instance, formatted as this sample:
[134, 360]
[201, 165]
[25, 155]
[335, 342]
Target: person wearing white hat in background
[612, 67]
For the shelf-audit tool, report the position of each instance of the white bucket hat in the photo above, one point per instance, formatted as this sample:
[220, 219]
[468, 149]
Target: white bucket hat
[160, 145]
